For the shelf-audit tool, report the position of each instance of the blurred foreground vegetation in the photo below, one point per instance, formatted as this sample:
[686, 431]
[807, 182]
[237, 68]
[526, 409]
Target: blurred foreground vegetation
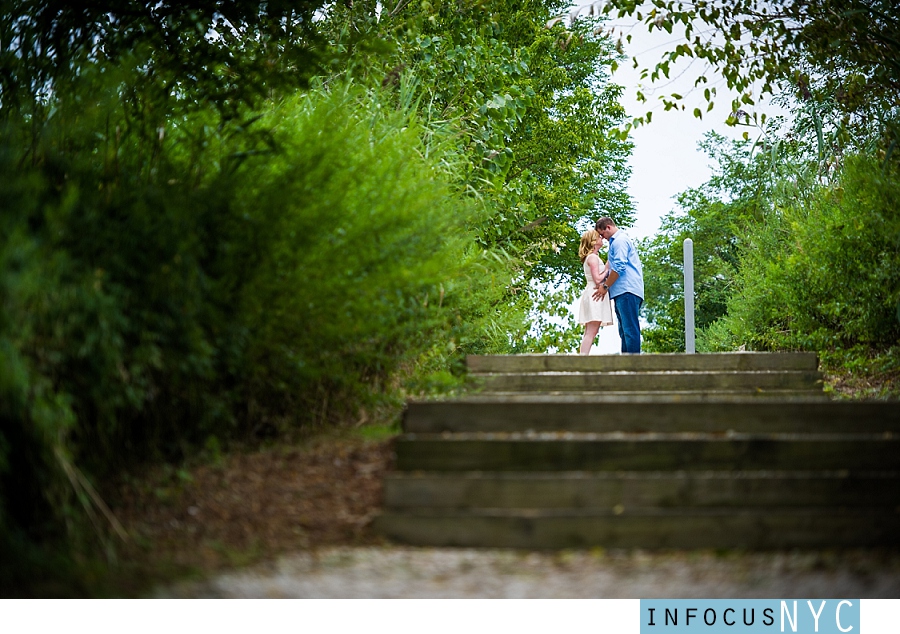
[227, 222]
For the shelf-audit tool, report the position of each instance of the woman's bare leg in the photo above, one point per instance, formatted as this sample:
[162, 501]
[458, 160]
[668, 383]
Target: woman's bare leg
[590, 333]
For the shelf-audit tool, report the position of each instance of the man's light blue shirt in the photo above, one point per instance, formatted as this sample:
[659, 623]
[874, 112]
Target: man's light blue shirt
[624, 260]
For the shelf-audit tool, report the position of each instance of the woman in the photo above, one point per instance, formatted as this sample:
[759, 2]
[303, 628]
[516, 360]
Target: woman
[593, 314]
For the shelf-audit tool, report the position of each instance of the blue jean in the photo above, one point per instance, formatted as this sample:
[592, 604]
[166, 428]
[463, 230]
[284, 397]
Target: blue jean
[628, 305]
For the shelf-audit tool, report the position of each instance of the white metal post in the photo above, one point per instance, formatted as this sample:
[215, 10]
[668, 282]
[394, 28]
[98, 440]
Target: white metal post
[689, 342]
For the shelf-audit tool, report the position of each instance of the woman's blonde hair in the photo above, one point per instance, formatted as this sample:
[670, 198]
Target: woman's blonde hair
[588, 240]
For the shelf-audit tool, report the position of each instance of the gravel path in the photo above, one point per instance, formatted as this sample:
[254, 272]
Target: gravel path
[399, 572]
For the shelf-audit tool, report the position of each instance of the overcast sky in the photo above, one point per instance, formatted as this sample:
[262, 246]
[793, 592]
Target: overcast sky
[666, 160]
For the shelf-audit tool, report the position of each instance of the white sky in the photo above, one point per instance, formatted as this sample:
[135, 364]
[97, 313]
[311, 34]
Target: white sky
[666, 159]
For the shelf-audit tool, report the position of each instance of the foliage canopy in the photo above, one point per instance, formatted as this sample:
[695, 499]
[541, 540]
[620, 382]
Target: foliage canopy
[232, 220]
[845, 49]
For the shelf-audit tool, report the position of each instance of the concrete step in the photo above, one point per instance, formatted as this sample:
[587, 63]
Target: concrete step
[756, 529]
[737, 450]
[666, 413]
[640, 395]
[568, 451]
[715, 362]
[630, 489]
[650, 381]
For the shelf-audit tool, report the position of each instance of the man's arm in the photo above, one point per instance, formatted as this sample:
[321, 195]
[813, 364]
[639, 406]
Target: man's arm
[614, 261]
[603, 289]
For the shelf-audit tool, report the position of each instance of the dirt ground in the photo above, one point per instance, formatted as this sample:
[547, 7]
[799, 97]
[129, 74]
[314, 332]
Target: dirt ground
[296, 522]
[254, 505]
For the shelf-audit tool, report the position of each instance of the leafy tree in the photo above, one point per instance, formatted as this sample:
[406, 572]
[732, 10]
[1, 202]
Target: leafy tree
[776, 237]
[532, 101]
[846, 48]
[788, 293]
[807, 198]
[192, 251]
[227, 52]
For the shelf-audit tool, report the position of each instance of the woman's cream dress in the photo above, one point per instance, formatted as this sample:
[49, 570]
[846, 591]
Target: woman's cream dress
[590, 310]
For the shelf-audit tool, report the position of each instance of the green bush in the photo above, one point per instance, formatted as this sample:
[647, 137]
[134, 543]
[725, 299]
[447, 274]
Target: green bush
[370, 260]
[823, 273]
[166, 285]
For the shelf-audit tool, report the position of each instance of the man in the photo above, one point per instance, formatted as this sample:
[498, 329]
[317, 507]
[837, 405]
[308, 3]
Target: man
[625, 283]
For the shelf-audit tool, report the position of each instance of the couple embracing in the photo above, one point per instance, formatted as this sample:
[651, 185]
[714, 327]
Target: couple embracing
[620, 279]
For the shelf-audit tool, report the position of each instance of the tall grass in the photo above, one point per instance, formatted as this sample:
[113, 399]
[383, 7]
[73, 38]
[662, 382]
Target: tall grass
[169, 278]
[371, 260]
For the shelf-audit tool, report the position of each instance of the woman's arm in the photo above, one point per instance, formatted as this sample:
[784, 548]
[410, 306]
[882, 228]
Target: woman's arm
[598, 274]
[606, 275]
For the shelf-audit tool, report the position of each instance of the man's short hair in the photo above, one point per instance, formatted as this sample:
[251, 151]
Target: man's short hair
[603, 223]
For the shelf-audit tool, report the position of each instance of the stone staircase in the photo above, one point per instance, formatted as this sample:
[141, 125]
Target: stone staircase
[739, 450]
